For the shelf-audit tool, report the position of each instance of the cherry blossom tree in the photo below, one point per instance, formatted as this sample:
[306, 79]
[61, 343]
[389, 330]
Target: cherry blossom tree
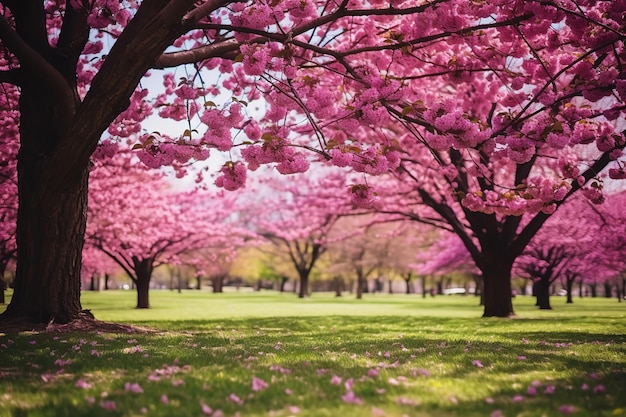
[473, 95]
[297, 215]
[140, 224]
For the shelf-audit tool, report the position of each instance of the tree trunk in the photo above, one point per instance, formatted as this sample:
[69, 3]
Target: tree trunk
[50, 237]
[106, 281]
[3, 287]
[338, 284]
[542, 292]
[424, 286]
[569, 285]
[304, 284]
[283, 282]
[496, 275]
[594, 290]
[608, 290]
[361, 284]
[143, 269]
[217, 283]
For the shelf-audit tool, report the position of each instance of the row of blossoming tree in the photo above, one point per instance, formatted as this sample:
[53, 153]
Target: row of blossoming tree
[482, 116]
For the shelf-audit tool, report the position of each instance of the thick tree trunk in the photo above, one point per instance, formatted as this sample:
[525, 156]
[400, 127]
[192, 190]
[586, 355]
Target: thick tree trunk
[496, 275]
[542, 292]
[198, 283]
[594, 290]
[218, 284]
[50, 236]
[608, 289]
[143, 271]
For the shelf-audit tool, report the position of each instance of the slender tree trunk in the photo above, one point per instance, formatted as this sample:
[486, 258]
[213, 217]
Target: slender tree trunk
[143, 269]
[198, 283]
[283, 282]
[594, 290]
[580, 288]
[338, 284]
[3, 287]
[361, 285]
[424, 286]
[106, 281]
[608, 290]
[569, 285]
[497, 285]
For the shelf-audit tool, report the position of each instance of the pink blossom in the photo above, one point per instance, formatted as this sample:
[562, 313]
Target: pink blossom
[164, 399]
[234, 398]
[133, 387]
[351, 398]
[83, 384]
[293, 409]
[567, 409]
[598, 389]
[549, 389]
[335, 380]
[206, 410]
[477, 363]
[108, 404]
[258, 384]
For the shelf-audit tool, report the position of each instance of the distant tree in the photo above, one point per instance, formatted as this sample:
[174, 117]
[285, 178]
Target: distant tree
[297, 215]
[140, 224]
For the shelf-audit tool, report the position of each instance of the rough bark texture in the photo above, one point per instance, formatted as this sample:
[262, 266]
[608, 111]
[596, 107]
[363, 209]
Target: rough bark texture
[497, 284]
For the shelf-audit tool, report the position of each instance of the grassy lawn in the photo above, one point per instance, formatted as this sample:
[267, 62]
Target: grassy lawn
[268, 354]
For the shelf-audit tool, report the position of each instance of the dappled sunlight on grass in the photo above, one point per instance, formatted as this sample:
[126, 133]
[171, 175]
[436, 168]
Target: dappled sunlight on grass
[381, 356]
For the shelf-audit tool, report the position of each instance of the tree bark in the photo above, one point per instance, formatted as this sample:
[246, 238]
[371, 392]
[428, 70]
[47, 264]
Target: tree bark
[542, 292]
[304, 285]
[217, 283]
[496, 274]
[143, 271]
[50, 237]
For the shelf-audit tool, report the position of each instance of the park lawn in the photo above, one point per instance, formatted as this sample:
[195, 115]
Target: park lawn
[269, 354]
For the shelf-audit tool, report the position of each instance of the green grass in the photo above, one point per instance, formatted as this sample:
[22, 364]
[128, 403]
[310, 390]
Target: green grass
[405, 355]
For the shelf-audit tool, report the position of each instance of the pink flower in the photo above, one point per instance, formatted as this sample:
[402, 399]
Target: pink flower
[293, 409]
[598, 389]
[258, 384]
[108, 404]
[477, 363]
[164, 399]
[206, 410]
[521, 358]
[531, 390]
[549, 389]
[567, 409]
[518, 398]
[234, 398]
[83, 384]
[133, 387]
[335, 380]
[351, 398]
[372, 373]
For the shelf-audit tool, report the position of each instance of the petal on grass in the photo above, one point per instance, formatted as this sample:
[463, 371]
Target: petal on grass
[258, 384]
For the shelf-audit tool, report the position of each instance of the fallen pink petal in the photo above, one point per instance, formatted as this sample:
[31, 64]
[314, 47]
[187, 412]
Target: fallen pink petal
[258, 384]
